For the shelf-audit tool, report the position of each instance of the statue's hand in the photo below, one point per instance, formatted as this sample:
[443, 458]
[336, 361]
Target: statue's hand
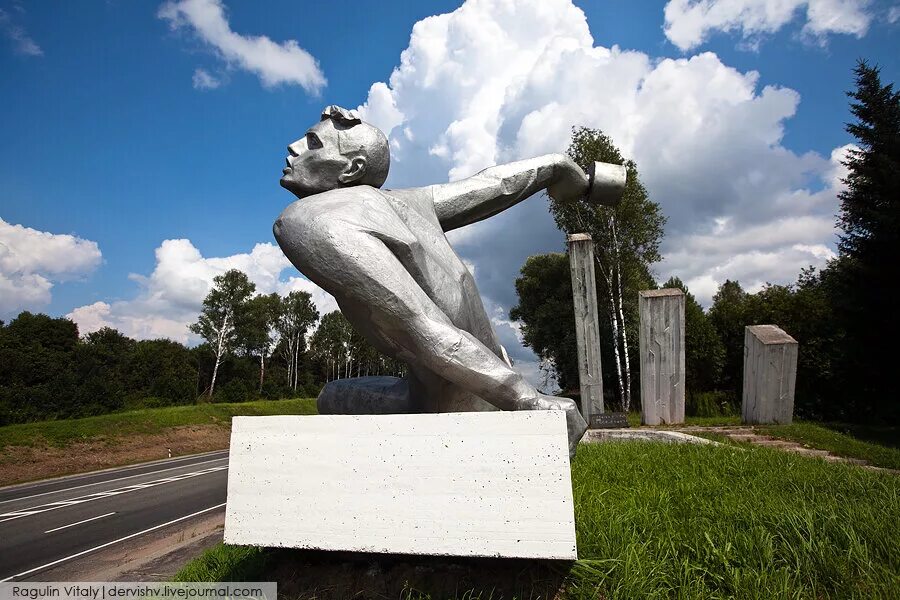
[571, 184]
[574, 421]
[607, 183]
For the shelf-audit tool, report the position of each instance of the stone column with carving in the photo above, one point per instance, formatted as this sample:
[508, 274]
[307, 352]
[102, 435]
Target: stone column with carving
[662, 356]
[770, 374]
[587, 333]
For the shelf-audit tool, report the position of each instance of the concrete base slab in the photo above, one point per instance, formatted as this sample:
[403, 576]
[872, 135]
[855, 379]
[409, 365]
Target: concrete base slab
[453, 484]
[646, 435]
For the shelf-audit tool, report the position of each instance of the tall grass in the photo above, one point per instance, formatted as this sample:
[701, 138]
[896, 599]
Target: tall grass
[695, 521]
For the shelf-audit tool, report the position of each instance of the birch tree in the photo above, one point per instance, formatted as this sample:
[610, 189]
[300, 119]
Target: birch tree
[341, 351]
[259, 331]
[296, 315]
[222, 314]
[626, 244]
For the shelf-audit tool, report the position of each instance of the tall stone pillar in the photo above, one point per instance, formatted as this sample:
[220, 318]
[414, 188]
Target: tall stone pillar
[662, 356]
[770, 374]
[587, 333]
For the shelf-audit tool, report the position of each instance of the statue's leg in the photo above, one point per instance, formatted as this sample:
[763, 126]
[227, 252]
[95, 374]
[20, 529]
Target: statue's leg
[378, 395]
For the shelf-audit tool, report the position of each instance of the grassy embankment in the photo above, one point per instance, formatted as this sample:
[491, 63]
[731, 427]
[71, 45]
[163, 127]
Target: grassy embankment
[147, 421]
[658, 520]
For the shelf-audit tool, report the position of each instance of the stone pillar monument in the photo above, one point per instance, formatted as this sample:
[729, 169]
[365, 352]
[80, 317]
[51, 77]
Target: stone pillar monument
[770, 373]
[587, 333]
[662, 356]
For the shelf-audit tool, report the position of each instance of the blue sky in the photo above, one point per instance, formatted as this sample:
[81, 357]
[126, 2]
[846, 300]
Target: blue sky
[109, 135]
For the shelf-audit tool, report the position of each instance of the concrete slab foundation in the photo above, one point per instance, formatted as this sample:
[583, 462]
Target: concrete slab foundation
[644, 435]
[452, 484]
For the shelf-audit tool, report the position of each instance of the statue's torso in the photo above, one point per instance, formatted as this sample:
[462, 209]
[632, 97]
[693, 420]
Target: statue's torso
[405, 221]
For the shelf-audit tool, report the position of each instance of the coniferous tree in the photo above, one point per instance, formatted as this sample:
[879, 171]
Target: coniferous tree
[869, 248]
[728, 316]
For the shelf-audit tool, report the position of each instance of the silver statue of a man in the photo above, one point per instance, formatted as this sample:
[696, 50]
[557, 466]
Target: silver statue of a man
[384, 256]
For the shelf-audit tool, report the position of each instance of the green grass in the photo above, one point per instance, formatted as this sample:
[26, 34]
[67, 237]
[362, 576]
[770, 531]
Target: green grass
[146, 421]
[829, 437]
[226, 563]
[685, 521]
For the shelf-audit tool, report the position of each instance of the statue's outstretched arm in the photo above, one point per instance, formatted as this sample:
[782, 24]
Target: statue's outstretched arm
[497, 188]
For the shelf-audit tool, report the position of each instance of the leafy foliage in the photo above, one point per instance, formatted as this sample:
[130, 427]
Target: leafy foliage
[545, 309]
[626, 242]
[704, 352]
[224, 316]
[293, 317]
[340, 351]
[728, 316]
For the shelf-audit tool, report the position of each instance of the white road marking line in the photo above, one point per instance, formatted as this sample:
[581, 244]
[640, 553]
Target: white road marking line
[121, 539]
[79, 522]
[113, 470]
[112, 480]
[42, 508]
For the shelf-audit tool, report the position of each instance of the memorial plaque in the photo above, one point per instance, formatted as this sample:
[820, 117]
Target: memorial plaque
[609, 421]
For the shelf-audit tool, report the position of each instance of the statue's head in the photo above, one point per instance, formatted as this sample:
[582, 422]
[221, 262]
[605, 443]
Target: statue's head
[338, 151]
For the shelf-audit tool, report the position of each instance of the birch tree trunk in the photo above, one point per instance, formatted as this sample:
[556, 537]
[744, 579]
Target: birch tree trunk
[220, 349]
[289, 359]
[296, 359]
[607, 276]
[626, 401]
[262, 369]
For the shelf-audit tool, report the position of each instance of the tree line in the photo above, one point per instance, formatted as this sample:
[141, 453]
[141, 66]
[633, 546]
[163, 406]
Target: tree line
[842, 315]
[255, 346]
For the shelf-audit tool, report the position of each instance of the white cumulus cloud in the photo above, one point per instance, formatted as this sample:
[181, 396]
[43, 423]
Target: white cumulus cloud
[170, 298]
[31, 261]
[274, 63]
[688, 23]
[495, 81]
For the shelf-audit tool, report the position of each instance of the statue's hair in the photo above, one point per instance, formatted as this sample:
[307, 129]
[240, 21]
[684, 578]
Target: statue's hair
[356, 138]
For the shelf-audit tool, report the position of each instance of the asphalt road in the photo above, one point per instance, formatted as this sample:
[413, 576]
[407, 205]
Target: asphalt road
[47, 523]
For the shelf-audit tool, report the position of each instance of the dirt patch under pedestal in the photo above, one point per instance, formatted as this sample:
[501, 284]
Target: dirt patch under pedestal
[28, 463]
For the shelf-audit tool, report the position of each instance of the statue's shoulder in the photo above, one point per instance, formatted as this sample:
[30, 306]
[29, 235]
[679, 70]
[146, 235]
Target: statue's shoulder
[328, 213]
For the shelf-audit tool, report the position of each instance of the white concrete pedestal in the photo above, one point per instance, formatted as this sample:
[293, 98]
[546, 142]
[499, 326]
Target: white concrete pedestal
[770, 375]
[662, 356]
[456, 484]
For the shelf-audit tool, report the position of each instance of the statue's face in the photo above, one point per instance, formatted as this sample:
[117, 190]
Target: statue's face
[314, 162]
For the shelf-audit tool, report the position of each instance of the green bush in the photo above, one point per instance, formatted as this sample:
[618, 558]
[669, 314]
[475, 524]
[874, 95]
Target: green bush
[235, 390]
